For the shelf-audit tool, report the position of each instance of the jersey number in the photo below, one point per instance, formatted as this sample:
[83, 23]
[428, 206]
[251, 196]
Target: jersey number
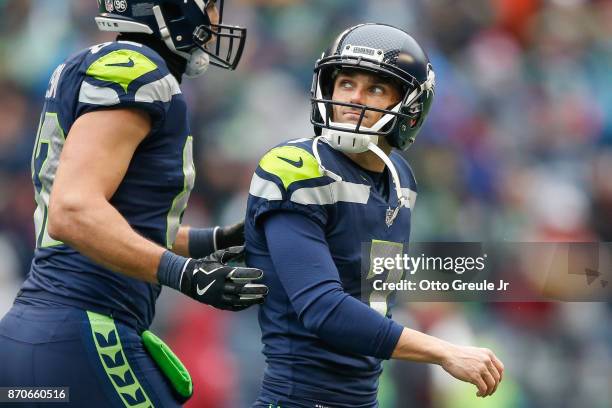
[179, 203]
[45, 159]
[378, 299]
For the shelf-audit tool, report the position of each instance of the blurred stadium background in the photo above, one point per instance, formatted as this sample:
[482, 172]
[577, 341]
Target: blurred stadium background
[518, 147]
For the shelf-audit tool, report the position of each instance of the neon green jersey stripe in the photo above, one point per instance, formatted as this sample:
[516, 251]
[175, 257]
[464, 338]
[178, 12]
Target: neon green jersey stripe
[115, 363]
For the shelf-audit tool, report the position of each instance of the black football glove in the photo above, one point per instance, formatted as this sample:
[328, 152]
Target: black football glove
[230, 236]
[210, 280]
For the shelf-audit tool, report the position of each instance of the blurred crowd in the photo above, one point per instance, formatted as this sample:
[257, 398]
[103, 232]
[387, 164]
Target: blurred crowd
[517, 147]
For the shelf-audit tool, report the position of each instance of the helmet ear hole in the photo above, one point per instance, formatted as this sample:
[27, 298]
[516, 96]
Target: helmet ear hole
[405, 133]
[388, 126]
[327, 81]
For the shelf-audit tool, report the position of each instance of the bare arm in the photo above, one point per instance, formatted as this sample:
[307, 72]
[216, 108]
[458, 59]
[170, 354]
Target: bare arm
[181, 243]
[93, 162]
[478, 366]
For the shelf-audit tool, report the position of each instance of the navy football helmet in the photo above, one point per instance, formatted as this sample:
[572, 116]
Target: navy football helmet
[183, 25]
[386, 51]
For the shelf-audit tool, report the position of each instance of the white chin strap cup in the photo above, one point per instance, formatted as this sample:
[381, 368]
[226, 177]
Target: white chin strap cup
[347, 141]
[197, 64]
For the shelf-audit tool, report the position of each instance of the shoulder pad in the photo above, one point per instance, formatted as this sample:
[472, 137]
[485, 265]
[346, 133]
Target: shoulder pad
[290, 164]
[122, 66]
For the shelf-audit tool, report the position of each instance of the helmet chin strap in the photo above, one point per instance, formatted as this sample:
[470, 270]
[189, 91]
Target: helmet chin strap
[197, 60]
[401, 200]
[315, 151]
[164, 32]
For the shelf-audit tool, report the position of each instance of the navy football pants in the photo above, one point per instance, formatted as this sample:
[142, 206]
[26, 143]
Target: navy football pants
[267, 401]
[102, 360]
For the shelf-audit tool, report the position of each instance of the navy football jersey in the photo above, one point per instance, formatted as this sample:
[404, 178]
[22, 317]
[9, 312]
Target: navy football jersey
[352, 213]
[151, 197]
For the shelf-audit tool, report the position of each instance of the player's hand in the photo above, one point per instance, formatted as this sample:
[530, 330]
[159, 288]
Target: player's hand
[478, 366]
[210, 280]
[229, 236]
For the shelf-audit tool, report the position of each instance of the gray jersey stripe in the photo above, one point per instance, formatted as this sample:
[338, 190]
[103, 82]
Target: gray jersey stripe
[329, 194]
[265, 189]
[160, 90]
[332, 193]
[97, 95]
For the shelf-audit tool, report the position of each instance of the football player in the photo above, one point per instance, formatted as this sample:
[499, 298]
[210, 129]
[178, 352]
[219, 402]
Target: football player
[112, 171]
[314, 202]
